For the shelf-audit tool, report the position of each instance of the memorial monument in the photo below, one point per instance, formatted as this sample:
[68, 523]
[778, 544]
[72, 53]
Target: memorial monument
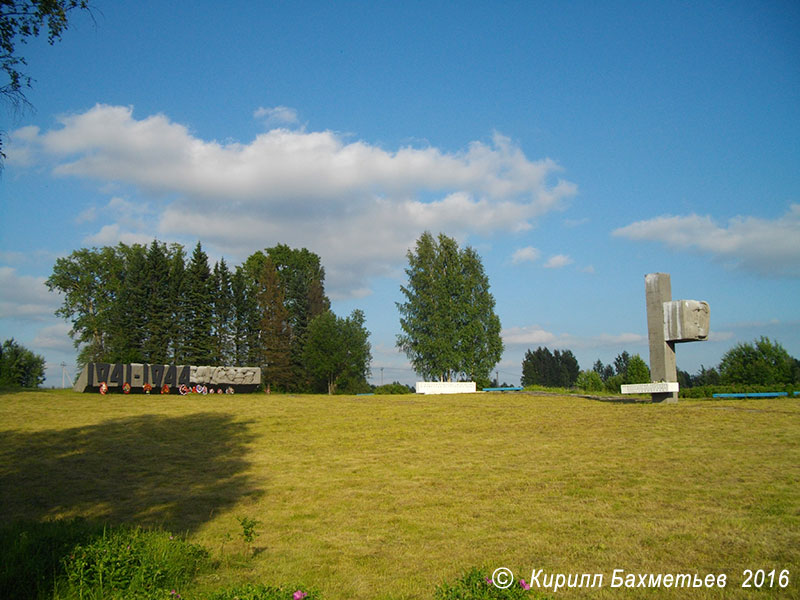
[668, 322]
[137, 376]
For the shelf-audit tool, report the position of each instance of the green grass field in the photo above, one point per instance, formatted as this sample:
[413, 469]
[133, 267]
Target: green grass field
[376, 497]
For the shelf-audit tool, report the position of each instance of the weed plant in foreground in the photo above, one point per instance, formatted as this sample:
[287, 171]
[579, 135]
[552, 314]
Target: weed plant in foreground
[387, 497]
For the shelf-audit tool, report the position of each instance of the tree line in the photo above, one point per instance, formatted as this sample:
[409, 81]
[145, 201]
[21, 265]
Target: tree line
[762, 362]
[561, 369]
[154, 304]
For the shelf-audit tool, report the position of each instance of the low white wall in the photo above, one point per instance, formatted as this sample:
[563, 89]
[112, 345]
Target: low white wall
[650, 388]
[445, 387]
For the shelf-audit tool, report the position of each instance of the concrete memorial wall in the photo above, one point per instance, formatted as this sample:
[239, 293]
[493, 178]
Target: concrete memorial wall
[138, 376]
[445, 387]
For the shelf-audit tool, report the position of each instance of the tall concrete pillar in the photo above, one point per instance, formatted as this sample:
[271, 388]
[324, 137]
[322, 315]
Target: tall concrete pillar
[658, 290]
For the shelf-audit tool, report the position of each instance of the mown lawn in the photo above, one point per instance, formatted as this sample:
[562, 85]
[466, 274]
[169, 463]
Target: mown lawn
[387, 496]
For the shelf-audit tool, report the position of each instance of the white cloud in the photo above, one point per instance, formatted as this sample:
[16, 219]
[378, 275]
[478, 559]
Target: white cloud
[534, 335]
[25, 296]
[526, 254]
[763, 246]
[357, 205]
[54, 337]
[87, 215]
[278, 115]
[20, 147]
[112, 234]
[558, 261]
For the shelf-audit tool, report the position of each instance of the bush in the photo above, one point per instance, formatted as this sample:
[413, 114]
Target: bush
[31, 555]
[131, 563]
[763, 362]
[79, 559]
[613, 384]
[393, 388]
[476, 584]
[19, 366]
[590, 381]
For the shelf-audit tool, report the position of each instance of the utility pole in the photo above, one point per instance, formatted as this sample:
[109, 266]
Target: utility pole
[65, 376]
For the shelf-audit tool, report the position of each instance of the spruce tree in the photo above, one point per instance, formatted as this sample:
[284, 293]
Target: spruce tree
[159, 308]
[198, 310]
[130, 308]
[177, 300]
[245, 315]
[222, 320]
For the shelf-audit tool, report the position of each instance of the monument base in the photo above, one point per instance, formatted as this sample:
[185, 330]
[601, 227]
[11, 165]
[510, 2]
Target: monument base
[662, 391]
[446, 387]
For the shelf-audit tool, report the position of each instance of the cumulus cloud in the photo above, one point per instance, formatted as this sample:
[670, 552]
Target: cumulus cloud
[526, 254]
[358, 205]
[769, 247]
[534, 335]
[558, 261]
[25, 296]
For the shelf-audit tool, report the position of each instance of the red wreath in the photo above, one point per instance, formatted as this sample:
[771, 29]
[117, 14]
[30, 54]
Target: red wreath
[165, 389]
[147, 387]
[183, 389]
[126, 388]
[103, 388]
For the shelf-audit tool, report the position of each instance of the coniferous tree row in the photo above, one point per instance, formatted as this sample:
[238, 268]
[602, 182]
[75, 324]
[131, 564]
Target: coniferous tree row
[156, 304]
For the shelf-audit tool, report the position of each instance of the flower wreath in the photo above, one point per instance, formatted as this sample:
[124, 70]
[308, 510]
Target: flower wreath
[165, 389]
[126, 388]
[183, 389]
[103, 388]
[147, 387]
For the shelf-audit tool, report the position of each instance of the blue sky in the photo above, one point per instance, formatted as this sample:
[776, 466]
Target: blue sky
[577, 146]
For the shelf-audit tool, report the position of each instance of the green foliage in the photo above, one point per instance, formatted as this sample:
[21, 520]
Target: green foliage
[198, 310]
[708, 391]
[222, 317]
[19, 366]
[476, 584]
[276, 332]
[151, 305]
[589, 381]
[337, 348]
[613, 383]
[763, 362]
[248, 528]
[450, 329]
[131, 563]
[626, 369]
[78, 559]
[159, 312]
[31, 555]
[551, 369]
[393, 388]
[637, 370]
[604, 371]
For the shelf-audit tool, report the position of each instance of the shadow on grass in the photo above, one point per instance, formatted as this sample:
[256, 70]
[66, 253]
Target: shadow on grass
[150, 470]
